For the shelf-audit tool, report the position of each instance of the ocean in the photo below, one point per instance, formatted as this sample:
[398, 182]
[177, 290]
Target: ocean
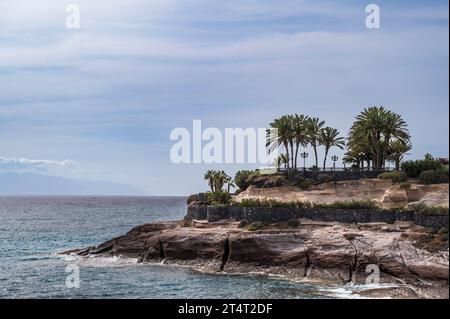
[33, 229]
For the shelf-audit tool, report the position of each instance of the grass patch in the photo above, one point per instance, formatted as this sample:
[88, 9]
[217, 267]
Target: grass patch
[430, 210]
[255, 226]
[271, 203]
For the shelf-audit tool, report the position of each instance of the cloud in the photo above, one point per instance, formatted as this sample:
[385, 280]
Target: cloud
[108, 95]
[23, 163]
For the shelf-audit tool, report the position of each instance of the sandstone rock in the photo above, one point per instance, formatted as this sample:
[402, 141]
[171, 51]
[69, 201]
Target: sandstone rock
[339, 252]
[394, 198]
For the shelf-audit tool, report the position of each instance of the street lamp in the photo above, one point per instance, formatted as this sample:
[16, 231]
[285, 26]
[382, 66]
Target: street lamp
[304, 155]
[334, 158]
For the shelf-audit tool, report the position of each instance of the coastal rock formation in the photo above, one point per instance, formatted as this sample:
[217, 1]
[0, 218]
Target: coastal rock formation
[385, 192]
[339, 253]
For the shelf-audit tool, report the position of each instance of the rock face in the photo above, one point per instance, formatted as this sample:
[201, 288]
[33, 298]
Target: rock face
[340, 252]
[387, 194]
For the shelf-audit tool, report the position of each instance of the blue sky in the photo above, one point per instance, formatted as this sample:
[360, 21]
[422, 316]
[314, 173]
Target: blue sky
[99, 102]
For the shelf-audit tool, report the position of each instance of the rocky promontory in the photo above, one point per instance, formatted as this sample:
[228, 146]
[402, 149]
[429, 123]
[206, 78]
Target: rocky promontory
[410, 256]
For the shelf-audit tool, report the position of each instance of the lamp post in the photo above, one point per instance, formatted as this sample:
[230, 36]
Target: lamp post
[334, 158]
[304, 155]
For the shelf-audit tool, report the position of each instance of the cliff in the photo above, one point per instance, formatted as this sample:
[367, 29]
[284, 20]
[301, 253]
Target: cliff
[410, 256]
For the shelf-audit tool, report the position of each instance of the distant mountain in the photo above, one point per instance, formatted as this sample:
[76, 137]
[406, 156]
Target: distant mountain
[36, 184]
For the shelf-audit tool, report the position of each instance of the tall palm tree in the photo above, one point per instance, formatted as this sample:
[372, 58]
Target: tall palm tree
[210, 176]
[376, 127]
[229, 182]
[220, 178]
[394, 127]
[397, 151]
[314, 126]
[280, 134]
[300, 134]
[329, 137]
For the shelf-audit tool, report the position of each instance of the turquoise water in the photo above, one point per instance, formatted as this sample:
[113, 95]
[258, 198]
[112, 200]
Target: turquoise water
[34, 229]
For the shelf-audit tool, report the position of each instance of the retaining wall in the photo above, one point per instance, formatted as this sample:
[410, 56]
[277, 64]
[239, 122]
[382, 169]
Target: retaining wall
[280, 214]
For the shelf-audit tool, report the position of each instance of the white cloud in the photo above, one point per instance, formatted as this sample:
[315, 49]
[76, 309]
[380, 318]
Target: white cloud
[8, 162]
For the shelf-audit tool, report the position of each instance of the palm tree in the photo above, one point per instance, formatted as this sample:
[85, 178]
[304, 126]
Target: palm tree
[229, 182]
[210, 176]
[300, 134]
[282, 159]
[329, 137]
[376, 127]
[220, 178]
[314, 126]
[280, 134]
[394, 127]
[397, 151]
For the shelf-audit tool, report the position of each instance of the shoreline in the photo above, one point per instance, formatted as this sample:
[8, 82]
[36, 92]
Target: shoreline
[313, 253]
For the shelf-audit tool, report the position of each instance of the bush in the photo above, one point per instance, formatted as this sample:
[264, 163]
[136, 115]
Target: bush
[242, 179]
[304, 184]
[395, 177]
[294, 223]
[353, 204]
[200, 198]
[243, 223]
[405, 185]
[324, 178]
[444, 169]
[414, 168]
[430, 210]
[272, 203]
[219, 198]
[255, 226]
[433, 177]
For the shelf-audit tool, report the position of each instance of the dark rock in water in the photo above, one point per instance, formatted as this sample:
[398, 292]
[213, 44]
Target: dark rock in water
[338, 252]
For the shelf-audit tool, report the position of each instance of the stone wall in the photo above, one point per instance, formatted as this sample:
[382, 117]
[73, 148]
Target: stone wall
[280, 214]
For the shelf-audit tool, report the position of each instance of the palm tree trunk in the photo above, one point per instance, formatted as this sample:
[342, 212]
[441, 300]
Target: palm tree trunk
[287, 154]
[315, 154]
[296, 154]
[292, 157]
[325, 159]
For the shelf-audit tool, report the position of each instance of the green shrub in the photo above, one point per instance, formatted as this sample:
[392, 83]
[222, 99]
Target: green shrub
[242, 179]
[255, 226]
[444, 169]
[430, 210]
[243, 223]
[395, 177]
[433, 177]
[272, 203]
[324, 178]
[304, 184]
[294, 223]
[414, 168]
[219, 198]
[352, 204]
[405, 185]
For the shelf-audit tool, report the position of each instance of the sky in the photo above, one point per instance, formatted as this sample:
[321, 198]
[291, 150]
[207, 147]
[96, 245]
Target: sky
[100, 102]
